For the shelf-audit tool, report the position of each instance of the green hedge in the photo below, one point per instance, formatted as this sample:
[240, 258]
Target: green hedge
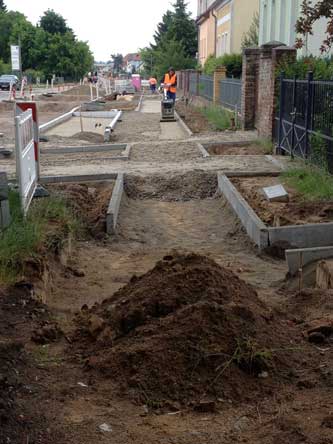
[232, 62]
[322, 68]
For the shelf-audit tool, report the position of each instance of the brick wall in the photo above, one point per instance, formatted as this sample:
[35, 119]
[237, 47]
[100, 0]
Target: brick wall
[259, 85]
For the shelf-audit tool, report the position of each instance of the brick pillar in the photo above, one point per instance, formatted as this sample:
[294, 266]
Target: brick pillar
[270, 56]
[219, 74]
[251, 57]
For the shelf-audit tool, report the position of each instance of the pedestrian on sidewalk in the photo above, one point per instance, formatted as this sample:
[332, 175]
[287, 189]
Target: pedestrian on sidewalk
[152, 84]
[170, 84]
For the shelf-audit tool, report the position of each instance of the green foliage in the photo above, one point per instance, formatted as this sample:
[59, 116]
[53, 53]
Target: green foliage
[54, 23]
[322, 68]
[26, 238]
[267, 145]
[232, 62]
[172, 54]
[175, 42]
[117, 63]
[251, 37]
[318, 151]
[218, 117]
[4, 68]
[250, 357]
[58, 52]
[3, 7]
[311, 182]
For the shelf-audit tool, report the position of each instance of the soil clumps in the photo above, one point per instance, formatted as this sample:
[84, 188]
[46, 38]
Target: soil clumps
[186, 331]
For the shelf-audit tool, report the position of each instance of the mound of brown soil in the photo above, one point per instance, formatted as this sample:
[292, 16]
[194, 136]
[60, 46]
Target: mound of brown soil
[187, 330]
[88, 136]
[89, 201]
[194, 185]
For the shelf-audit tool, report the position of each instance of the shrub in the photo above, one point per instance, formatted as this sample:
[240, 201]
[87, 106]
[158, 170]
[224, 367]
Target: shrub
[232, 62]
[322, 68]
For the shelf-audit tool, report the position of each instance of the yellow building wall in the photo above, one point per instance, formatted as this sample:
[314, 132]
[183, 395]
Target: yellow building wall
[206, 39]
[242, 16]
[223, 35]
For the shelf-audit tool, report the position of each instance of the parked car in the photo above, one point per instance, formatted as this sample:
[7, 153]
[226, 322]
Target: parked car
[6, 80]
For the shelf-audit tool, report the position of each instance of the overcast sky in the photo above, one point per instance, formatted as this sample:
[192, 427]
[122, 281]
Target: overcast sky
[110, 26]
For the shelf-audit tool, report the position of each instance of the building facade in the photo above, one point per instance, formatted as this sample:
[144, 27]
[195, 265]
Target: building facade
[277, 23]
[222, 24]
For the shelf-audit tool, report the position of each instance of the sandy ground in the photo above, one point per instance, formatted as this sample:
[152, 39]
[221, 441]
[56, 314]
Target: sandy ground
[73, 126]
[171, 204]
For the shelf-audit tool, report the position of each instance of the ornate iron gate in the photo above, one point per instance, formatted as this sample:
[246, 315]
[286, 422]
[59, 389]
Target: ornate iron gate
[304, 122]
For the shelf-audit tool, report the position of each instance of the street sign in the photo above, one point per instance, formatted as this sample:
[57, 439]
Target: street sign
[19, 109]
[26, 170]
[16, 57]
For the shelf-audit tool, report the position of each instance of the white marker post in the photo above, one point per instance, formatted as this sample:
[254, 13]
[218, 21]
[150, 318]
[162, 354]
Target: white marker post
[10, 91]
[97, 91]
[22, 87]
[47, 85]
[91, 92]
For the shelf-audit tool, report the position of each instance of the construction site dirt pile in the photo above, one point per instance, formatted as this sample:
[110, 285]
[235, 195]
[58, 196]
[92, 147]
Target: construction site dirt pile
[90, 202]
[186, 331]
[297, 211]
[193, 185]
[20, 317]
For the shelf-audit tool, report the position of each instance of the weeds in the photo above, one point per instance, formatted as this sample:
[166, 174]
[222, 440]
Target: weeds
[218, 117]
[266, 145]
[250, 358]
[47, 224]
[311, 182]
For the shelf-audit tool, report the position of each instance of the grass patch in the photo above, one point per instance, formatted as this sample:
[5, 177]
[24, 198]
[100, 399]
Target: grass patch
[219, 118]
[266, 145]
[49, 222]
[311, 182]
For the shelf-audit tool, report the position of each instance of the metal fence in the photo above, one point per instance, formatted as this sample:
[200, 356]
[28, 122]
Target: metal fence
[193, 83]
[304, 122]
[206, 87]
[231, 93]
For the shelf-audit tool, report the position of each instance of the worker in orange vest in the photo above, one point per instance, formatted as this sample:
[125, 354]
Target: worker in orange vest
[152, 83]
[170, 83]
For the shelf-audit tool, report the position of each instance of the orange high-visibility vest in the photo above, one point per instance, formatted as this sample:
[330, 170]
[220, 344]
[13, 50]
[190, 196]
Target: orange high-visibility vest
[172, 80]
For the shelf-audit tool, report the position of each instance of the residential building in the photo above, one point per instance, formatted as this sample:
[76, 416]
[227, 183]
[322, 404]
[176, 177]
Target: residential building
[132, 63]
[206, 22]
[222, 24]
[277, 23]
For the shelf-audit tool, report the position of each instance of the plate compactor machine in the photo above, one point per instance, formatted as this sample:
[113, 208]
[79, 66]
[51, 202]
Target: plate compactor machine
[167, 108]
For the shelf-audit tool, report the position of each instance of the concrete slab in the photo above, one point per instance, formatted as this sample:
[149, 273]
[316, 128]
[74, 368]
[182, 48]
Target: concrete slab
[254, 227]
[123, 149]
[58, 120]
[303, 256]
[114, 206]
[183, 125]
[303, 236]
[78, 178]
[73, 126]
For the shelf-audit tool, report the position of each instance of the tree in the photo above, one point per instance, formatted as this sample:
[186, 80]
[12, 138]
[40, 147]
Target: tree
[172, 53]
[162, 29]
[118, 61]
[3, 7]
[310, 14]
[54, 23]
[175, 42]
[251, 37]
[183, 29]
